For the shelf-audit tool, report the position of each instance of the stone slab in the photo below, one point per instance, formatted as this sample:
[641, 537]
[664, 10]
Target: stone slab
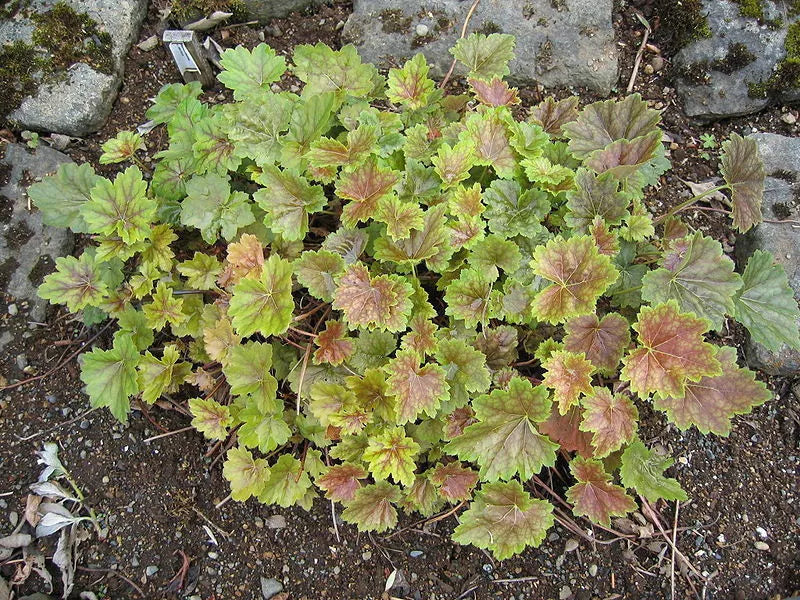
[559, 43]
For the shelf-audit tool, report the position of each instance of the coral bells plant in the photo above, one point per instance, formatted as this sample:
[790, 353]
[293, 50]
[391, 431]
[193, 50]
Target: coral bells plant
[403, 299]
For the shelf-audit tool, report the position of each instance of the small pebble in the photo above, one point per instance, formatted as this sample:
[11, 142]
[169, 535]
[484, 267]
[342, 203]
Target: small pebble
[259, 522]
[13, 518]
[366, 555]
[593, 570]
[150, 570]
[336, 570]
[657, 63]
[787, 118]
[12, 309]
[422, 30]
[761, 546]
[51, 399]
[416, 553]
[565, 593]
[213, 555]
[84, 424]
[276, 522]
[648, 69]
[270, 587]
[571, 545]
[106, 479]
[762, 533]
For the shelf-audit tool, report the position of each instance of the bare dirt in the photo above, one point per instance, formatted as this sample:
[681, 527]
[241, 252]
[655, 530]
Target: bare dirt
[158, 497]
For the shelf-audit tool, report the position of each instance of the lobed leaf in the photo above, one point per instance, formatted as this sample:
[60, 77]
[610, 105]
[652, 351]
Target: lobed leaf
[246, 475]
[76, 282]
[341, 482]
[594, 495]
[603, 341]
[110, 376]
[288, 199]
[505, 520]
[416, 388]
[121, 208]
[711, 403]
[411, 86]
[744, 172]
[766, 305]
[569, 375]
[391, 454]
[265, 304]
[504, 441]
[454, 481]
[485, 56]
[372, 507]
[382, 301]
[210, 418]
[611, 418]
[642, 470]
[672, 351]
[248, 72]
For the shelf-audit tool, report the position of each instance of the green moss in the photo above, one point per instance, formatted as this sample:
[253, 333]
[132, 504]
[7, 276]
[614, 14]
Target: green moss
[751, 8]
[395, 21]
[489, 27]
[70, 37]
[787, 72]
[191, 9]
[696, 73]
[11, 8]
[19, 63]
[792, 41]
[685, 19]
[738, 56]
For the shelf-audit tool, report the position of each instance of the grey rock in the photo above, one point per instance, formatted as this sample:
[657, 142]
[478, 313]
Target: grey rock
[781, 156]
[270, 587]
[276, 522]
[263, 10]
[79, 101]
[28, 248]
[150, 570]
[77, 106]
[726, 94]
[564, 43]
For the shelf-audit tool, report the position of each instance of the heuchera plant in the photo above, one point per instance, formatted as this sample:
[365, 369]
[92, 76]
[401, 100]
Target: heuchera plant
[400, 298]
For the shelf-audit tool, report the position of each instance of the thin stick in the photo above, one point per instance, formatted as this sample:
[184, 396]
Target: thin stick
[463, 34]
[222, 502]
[169, 433]
[517, 579]
[335, 524]
[59, 365]
[654, 517]
[117, 573]
[54, 427]
[637, 63]
[674, 538]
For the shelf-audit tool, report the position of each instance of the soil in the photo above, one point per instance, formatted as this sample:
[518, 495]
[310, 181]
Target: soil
[158, 497]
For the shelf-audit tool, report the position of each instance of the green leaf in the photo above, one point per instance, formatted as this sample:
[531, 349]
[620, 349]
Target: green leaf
[505, 520]
[76, 282]
[264, 305]
[60, 197]
[391, 454]
[372, 350]
[121, 208]
[696, 274]
[256, 125]
[287, 485]
[493, 253]
[327, 70]
[642, 470]
[766, 303]
[452, 163]
[485, 56]
[411, 86]
[213, 151]
[134, 323]
[110, 376]
[168, 99]
[249, 72]
[213, 209]
[372, 507]
[505, 442]
[467, 297]
[465, 369]
[364, 187]
[317, 270]
[400, 217]
[201, 271]
[487, 132]
[210, 418]
[161, 376]
[595, 196]
[512, 212]
[247, 370]
[743, 171]
[431, 242]
[122, 147]
[310, 119]
[247, 475]
[156, 252]
[288, 199]
[262, 429]
[165, 308]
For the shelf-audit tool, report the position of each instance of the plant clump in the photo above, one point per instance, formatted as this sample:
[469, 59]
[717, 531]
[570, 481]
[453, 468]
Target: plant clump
[70, 37]
[401, 299]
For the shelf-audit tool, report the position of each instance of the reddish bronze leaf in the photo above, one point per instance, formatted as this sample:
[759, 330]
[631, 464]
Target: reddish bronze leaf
[340, 482]
[334, 345]
[454, 481]
[611, 417]
[603, 341]
[594, 495]
[569, 375]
